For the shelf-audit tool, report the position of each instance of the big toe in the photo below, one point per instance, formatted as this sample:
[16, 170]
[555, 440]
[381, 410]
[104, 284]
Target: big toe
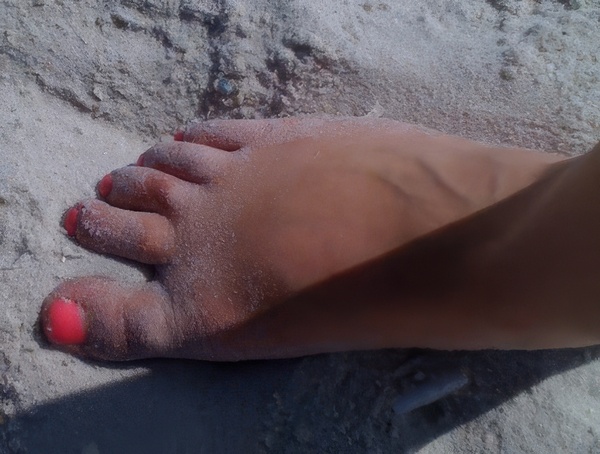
[102, 319]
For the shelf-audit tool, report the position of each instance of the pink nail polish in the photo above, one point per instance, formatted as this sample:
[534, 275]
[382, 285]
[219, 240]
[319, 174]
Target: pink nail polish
[64, 323]
[178, 136]
[140, 161]
[71, 220]
[105, 186]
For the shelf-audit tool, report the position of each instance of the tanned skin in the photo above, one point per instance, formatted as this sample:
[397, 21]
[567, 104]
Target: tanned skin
[282, 238]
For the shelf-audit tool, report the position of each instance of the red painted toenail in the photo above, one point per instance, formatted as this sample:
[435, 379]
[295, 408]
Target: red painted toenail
[178, 136]
[105, 185]
[64, 323]
[140, 161]
[71, 220]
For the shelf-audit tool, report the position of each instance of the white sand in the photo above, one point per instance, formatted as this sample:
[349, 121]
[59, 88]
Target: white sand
[86, 87]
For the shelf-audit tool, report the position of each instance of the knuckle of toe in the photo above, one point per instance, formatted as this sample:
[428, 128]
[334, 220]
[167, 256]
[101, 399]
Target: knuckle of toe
[155, 241]
[161, 189]
[148, 332]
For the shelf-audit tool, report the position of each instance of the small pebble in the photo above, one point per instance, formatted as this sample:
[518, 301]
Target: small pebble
[225, 87]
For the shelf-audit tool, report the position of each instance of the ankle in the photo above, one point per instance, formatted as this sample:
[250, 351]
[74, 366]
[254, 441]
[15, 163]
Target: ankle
[543, 261]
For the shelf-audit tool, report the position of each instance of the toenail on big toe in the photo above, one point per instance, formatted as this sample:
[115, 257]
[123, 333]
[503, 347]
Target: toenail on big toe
[178, 136]
[71, 220]
[64, 322]
[105, 186]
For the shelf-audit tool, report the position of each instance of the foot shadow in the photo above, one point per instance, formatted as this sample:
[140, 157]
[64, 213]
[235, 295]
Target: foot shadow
[326, 403]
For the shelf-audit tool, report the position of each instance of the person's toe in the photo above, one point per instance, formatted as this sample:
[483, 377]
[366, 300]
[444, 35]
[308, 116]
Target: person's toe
[187, 161]
[144, 237]
[233, 135]
[144, 189]
[103, 319]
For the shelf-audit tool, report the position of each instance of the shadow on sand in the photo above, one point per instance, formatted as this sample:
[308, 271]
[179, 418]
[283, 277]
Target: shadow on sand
[326, 403]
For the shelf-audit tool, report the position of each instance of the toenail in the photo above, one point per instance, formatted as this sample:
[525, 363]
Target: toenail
[64, 322]
[140, 161]
[178, 136]
[71, 220]
[105, 186]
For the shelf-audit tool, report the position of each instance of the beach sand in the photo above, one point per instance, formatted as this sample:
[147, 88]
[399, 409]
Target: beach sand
[87, 86]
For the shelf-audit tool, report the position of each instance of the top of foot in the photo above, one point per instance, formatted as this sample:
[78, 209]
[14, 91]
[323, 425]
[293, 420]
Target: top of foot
[239, 216]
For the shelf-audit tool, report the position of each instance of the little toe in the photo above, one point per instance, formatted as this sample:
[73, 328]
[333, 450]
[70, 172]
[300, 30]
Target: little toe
[233, 135]
[143, 189]
[144, 237]
[187, 161]
[103, 319]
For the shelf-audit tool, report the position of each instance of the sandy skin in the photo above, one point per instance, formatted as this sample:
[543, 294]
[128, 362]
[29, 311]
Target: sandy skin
[282, 238]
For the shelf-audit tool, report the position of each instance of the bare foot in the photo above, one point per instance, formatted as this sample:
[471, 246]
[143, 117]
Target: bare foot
[240, 216]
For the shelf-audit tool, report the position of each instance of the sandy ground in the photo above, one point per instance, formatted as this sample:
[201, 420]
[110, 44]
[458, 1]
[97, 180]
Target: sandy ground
[86, 86]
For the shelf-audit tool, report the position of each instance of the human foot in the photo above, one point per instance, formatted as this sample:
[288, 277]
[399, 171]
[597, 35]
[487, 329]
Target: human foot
[239, 216]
